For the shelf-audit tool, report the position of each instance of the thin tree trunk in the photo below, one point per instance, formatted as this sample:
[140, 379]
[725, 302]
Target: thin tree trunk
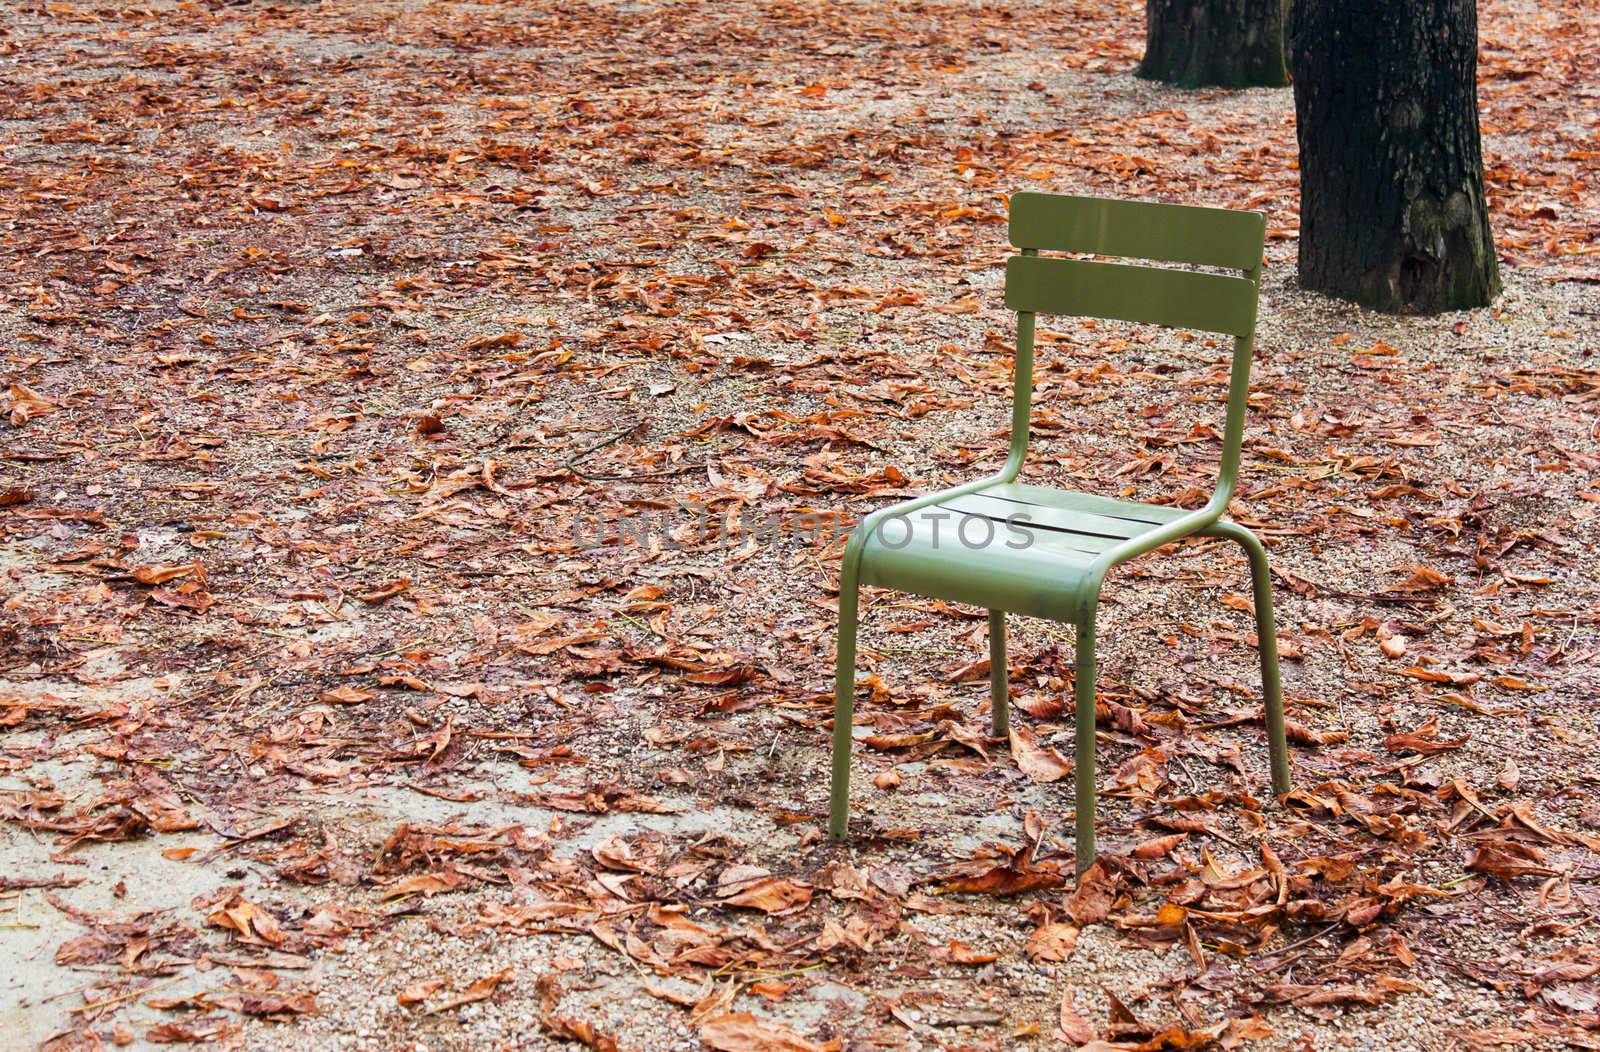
[1214, 43]
[1392, 208]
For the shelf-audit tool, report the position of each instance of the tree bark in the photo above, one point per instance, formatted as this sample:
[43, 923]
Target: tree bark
[1392, 209]
[1214, 43]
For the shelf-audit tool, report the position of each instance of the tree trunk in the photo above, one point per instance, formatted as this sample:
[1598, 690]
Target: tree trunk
[1392, 211]
[1214, 43]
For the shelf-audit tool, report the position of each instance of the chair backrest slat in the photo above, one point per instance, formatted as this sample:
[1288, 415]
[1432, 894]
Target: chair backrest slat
[1151, 295]
[1209, 237]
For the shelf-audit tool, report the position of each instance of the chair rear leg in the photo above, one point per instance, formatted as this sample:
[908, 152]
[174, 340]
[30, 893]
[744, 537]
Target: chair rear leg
[1267, 634]
[1083, 757]
[844, 704]
[999, 680]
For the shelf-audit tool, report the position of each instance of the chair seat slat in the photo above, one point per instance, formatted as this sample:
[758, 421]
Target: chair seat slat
[945, 529]
[1092, 503]
[1035, 515]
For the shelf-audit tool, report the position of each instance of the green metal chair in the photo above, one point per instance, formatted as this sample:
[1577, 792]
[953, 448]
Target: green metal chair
[1041, 552]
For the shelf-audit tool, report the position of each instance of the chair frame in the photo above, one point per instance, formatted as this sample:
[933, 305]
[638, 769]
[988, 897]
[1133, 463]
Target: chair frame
[1187, 299]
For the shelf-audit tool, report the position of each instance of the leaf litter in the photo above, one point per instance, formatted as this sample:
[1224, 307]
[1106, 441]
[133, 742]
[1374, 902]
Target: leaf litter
[427, 435]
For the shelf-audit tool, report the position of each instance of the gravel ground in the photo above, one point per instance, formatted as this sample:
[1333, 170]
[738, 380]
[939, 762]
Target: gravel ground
[330, 330]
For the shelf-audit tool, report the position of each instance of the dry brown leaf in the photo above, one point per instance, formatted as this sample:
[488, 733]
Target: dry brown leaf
[1506, 860]
[382, 592]
[481, 990]
[347, 695]
[1073, 1027]
[1041, 763]
[425, 884]
[1018, 874]
[186, 1033]
[961, 953]
[249, 923]
[1423, 579]
[1052, 942]
[1091, 902]
[1424, 740]
[1437, 675]
[752, 887]
[566, 1026]
[1300, 734]
[23, 404]
[414, 993]
[724, 677]
[1043, 708]
[1158, 847]
[744, 1032]
[163, 574]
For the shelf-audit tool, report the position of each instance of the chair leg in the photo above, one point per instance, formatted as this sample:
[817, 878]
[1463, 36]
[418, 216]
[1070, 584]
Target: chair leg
[1267, 634]
[844, 704]
[1083, 758]
[999, 680]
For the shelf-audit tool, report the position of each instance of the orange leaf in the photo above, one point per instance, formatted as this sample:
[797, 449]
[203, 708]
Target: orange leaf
[961, 953]
[347, 695]
[1159, 847]
[1074, 1028]
[163, 574]
[378, 595]
[1423, 579]
[753, 888]
[481, 990]
[744, 1032]
[421, 991]
[1041, 763]
[1052, 942]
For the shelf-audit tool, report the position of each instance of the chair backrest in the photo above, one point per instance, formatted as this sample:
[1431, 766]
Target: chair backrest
[1210, 302]
[1099, 226]
[1213, 237]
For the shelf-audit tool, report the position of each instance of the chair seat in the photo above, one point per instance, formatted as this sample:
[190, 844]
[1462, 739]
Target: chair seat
[1021, 549]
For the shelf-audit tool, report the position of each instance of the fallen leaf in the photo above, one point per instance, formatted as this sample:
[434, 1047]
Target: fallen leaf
[1423, 579]
[24, 403]
[1074, 1028]
[751, 888]
[387, 591]
[961, 953]
[1040, 763]
[414, 993]
[481, 990]
[250, 923]
[1159, 847]
[1052, 942]
[744, 1032]
[163, 574]
[425, 884]
[347, 695]
[1507, 860]
[1013, 877]
[1091, 902]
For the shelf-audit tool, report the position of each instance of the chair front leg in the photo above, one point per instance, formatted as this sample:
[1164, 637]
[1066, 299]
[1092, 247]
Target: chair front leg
[1083, 757]
[1267, 635]
[999, 680]
[844, 704]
